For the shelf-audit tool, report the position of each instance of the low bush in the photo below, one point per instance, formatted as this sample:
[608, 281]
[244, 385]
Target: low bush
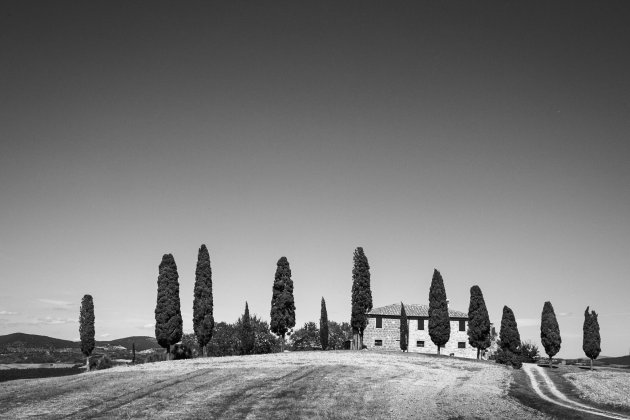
[506, 357]
[104, 363]
[181, 352]
[529, 352]
[155, 357]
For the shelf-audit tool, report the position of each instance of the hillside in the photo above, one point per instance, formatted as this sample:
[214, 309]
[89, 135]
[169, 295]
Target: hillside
[332, 384]
[36, 341]
[621, 360]
[45, 342]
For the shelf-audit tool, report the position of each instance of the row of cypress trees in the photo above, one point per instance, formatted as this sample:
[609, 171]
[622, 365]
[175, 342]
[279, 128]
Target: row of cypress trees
[169, 325]
[439, 320]
[168, 317]
[510, 340]
[479, 334]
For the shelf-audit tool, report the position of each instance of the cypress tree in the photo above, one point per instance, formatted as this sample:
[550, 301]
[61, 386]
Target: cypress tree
[361, 297]
[168, 316]
[282, 301]
[509, 340]
[550, 331]
[323, 326]
[203, 320]
[478, 321]
[86, 328]
[439, 321]
[404, 328]
[591, 340]
[247, 333]
[509, 336]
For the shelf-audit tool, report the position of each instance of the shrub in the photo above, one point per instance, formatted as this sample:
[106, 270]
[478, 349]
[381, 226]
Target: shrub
[529, 352]
[104, 363]
[181, 352]
[506, 357]
[155, 357]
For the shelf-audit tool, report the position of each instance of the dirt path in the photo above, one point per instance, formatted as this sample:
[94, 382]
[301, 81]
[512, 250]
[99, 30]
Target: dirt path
[547, 390]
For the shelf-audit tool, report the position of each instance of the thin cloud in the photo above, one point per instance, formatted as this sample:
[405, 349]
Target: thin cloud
[8, 313]
[615, 314]
[528, 322]
[148, 326]
[49, 320]
[55, 302]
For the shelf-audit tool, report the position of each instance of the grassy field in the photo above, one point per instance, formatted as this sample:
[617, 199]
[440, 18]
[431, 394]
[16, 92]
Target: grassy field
[340, 384]
[608, 387]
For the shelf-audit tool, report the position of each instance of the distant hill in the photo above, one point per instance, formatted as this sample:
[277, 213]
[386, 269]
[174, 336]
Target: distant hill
[42, 341]
[621, 360]
[36, 341]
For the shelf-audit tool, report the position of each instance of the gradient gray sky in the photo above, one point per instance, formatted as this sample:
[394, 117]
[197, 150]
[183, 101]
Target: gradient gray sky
[489, 140]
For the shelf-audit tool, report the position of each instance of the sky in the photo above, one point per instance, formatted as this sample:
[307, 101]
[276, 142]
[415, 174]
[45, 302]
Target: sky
[489, 140]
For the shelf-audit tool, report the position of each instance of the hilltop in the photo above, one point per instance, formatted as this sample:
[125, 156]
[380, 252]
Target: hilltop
[331, 384]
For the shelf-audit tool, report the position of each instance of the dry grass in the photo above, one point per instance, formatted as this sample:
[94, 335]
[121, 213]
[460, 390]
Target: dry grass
[607, 387]
[324, 385]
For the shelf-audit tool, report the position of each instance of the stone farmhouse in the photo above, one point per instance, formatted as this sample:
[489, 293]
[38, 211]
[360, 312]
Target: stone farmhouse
[383, 331]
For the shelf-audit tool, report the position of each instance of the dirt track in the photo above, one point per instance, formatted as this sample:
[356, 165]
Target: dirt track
[296, 385]
[546, 389]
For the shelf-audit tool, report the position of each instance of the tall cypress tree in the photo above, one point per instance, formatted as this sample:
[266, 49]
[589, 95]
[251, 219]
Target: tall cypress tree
[591, 340]
[478, 321]
[439, 321]
[361, 296]
[509, 340]
[550, 331]
[404, 328]
[282, 301]
[86, 328]
[509, 336]
[247, 333]
[323, 326]
[203, 320]
[168, 316]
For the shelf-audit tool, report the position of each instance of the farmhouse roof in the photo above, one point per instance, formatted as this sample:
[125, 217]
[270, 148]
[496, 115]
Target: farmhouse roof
[412, 309]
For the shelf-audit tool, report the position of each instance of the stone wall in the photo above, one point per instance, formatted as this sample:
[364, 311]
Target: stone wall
[389, 335]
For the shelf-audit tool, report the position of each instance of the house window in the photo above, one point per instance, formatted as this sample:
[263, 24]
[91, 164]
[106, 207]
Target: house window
[461, 345]
[462, 325]
[379, 322]
[421, 324]
[378, 342]
[419, 343]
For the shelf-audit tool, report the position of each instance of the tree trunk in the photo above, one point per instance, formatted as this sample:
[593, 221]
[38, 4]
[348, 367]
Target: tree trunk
[355, 341]
[550, 363]
[438, 349]
[87, 363]
[204, 351]
[478, 352]
[282, 344]
[591, 364]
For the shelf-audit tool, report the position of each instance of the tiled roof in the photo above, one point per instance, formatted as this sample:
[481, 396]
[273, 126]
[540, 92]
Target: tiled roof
[412, 309]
